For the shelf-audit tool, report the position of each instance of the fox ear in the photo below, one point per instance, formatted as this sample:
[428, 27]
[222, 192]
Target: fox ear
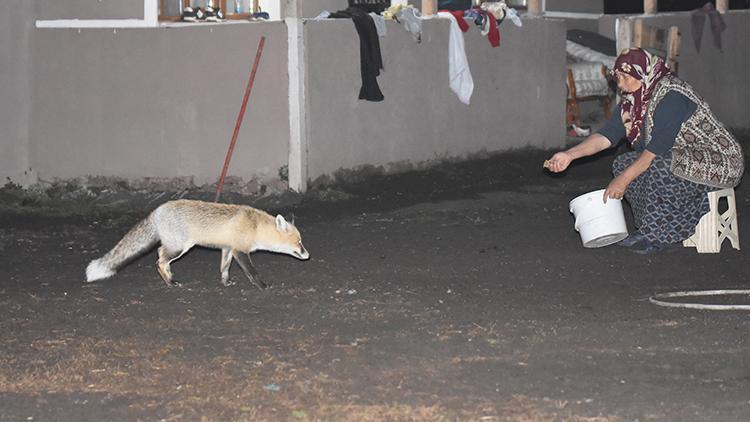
[291, 218]
[281, 224]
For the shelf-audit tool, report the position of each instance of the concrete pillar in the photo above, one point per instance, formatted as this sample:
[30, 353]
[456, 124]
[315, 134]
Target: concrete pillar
[649, 7]
[722, 6]
[151, 12]
[534, 7]
[290, 9]
[297, 60]
[624, 34]
[638, 33]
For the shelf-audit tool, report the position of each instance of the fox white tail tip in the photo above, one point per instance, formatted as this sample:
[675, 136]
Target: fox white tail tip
[97, 271]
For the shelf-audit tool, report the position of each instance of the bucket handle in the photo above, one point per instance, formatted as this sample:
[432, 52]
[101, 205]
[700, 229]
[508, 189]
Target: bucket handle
[575, 224]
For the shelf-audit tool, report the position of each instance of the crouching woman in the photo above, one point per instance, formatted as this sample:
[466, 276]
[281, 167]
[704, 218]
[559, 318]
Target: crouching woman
[680, 151]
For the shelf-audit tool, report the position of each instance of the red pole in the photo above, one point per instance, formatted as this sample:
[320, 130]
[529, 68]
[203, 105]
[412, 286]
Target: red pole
[239, 118]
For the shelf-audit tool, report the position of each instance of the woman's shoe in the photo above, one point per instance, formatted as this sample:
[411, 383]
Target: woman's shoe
[632, 239]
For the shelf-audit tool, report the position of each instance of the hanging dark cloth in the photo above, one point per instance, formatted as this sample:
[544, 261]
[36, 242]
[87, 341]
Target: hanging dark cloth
[371, 62]
[698, 20]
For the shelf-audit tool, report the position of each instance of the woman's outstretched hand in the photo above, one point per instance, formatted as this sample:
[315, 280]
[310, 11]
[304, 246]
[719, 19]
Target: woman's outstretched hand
[558, 162]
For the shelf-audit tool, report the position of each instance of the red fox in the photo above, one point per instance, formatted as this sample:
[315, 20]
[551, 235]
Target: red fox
[179, 225]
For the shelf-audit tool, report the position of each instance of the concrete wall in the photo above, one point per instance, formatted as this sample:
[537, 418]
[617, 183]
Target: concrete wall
[15, 102]
[607, 26]
[720, 76]
[158, 102]
[88, 9]
[585, 24]
[311, 8]
[519, 95]
[161, 102]
[576, 6]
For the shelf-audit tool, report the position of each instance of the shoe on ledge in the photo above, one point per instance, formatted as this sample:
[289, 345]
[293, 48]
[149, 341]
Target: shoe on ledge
[214, 14]
[193, 15]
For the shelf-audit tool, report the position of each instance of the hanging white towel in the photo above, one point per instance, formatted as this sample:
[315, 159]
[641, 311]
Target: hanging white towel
[459, 73]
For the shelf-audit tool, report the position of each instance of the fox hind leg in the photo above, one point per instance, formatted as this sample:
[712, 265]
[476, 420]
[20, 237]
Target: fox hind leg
[166, 256]
[226, 261]
[249, 269]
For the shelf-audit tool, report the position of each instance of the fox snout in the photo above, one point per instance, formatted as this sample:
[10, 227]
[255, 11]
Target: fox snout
[301, 252]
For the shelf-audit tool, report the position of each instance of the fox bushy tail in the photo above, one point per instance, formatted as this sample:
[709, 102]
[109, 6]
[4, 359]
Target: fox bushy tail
[140, 238]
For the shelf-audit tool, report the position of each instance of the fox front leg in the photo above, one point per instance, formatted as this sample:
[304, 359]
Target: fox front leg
[247, 267]
[226, 261]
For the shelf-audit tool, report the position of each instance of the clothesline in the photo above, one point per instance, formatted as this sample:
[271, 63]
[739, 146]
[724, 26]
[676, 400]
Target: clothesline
[370, 26]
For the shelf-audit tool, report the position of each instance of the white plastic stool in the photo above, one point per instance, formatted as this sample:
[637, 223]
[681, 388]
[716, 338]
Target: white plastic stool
[714, 227]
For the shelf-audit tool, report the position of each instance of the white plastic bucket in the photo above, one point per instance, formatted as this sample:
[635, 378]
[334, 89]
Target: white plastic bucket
[599, 224]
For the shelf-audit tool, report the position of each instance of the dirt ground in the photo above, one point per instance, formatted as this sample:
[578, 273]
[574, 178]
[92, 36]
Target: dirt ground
[460, 293]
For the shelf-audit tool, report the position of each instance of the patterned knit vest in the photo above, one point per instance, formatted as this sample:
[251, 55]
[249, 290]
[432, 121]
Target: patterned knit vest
[704, 151]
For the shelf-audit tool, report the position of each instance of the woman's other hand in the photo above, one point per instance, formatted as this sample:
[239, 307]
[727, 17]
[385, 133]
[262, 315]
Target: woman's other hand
[619, 184]
[616, 188]
[558, 162]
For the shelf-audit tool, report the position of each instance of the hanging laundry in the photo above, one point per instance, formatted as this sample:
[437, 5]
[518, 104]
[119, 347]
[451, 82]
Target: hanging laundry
[496, 12]
[409, 17]
[459, 15]
[453, 4]
[459, 74]
[698, 20]
[497, 9]
[371, 61]
[512, 14]
[379, 22]
[489, 28]
[391, 12]
[488, 17]
[322, 15]
[476, 15]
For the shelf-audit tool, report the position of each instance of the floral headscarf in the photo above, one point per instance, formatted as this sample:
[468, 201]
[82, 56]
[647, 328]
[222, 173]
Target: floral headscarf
[647, 68]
